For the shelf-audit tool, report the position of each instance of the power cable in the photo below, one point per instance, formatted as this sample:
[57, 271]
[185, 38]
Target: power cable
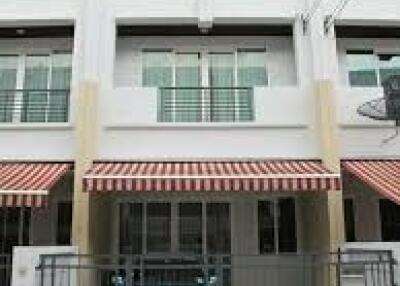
[330, 19]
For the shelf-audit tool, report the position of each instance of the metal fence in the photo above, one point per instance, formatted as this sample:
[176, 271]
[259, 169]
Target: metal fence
[5, 269]
[36, 105]
[356, 268]
[205, 104]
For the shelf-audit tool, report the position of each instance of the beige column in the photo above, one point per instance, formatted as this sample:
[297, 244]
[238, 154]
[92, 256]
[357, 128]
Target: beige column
[327, 130]
[86, 149]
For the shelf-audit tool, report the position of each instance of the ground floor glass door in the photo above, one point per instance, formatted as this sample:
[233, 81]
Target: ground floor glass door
[14, 231]
[176, 234]
[14, 228]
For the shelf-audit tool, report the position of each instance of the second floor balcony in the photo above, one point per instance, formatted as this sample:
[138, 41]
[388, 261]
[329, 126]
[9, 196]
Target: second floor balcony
[34, 106]
[34, 87]
[205, 81]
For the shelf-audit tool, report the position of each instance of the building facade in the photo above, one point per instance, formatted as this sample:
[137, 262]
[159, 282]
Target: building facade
[197, 127]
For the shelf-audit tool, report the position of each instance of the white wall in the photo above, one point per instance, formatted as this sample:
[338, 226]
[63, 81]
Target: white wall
[208, 142]
[33, 10]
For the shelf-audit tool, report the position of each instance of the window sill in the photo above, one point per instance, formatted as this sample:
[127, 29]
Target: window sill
[36, 126]
[208, 125]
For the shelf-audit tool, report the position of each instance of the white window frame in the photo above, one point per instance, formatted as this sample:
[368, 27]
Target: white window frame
[376, 68]
[204, 62]
[20, 78]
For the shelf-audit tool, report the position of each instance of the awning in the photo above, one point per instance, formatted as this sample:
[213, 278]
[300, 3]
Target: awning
[294, 175]
[28, 184]
[383, 176]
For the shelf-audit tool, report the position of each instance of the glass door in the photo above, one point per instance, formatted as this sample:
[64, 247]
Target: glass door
[8, 81]
[222, 81]
[61, 72]
[251, 72]
[37, 77]
[188, 95]
[14, 228]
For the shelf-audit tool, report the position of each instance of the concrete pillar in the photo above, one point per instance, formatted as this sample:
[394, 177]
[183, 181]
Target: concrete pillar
[86, 137]
[94, 49]
[317, 69]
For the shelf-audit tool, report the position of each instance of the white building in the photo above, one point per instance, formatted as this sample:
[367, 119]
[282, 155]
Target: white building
[158, 122]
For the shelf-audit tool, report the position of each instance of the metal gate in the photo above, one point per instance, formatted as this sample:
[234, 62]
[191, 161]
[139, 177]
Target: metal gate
[350, 268]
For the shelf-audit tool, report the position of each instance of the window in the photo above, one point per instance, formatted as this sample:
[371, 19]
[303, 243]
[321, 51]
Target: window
[185, 232]
[190, 228]
[287, 237]
[362, 68]
[158, 227]
[277, 226]
[369, 69]
[389, 64]
[14, 228]
[8, 81]
[390, 220]
[47, 77]
[131, 228]
[45, 81]
[157, 68]
[348, 205]
[64, 221]
[218, 228]
[187, 98]
[201, 86]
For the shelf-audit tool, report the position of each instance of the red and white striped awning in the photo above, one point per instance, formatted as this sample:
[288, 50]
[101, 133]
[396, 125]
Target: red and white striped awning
[383, 176]
[294, 175]
[28, 184]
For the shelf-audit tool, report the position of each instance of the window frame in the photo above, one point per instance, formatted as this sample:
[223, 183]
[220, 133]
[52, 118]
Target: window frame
[377, 63]
[174, 226]
[20, 79]
[386, 202]
[63, 202]
[275, 202]
[204, 66]
[353, 213]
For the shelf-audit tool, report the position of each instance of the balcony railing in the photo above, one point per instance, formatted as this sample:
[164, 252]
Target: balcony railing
[371, 268]
[36, 105]
[205, 104]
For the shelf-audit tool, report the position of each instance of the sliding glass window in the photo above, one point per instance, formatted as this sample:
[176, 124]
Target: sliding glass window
[361, 65]
[131, 228]
[8, 81]
[218, 228]
[61, 73]
[222, 81]
[251, 72]
[188, 96]
[389, 65]
[36, 82]
[277, 232]
[157, 71]
[190, 228]
[158, 227]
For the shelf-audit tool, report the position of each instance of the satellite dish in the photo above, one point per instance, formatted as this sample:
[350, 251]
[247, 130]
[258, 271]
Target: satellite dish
[385, 108]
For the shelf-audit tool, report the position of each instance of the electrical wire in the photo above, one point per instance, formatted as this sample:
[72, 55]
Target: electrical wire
[330, 19]
[316, 4]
